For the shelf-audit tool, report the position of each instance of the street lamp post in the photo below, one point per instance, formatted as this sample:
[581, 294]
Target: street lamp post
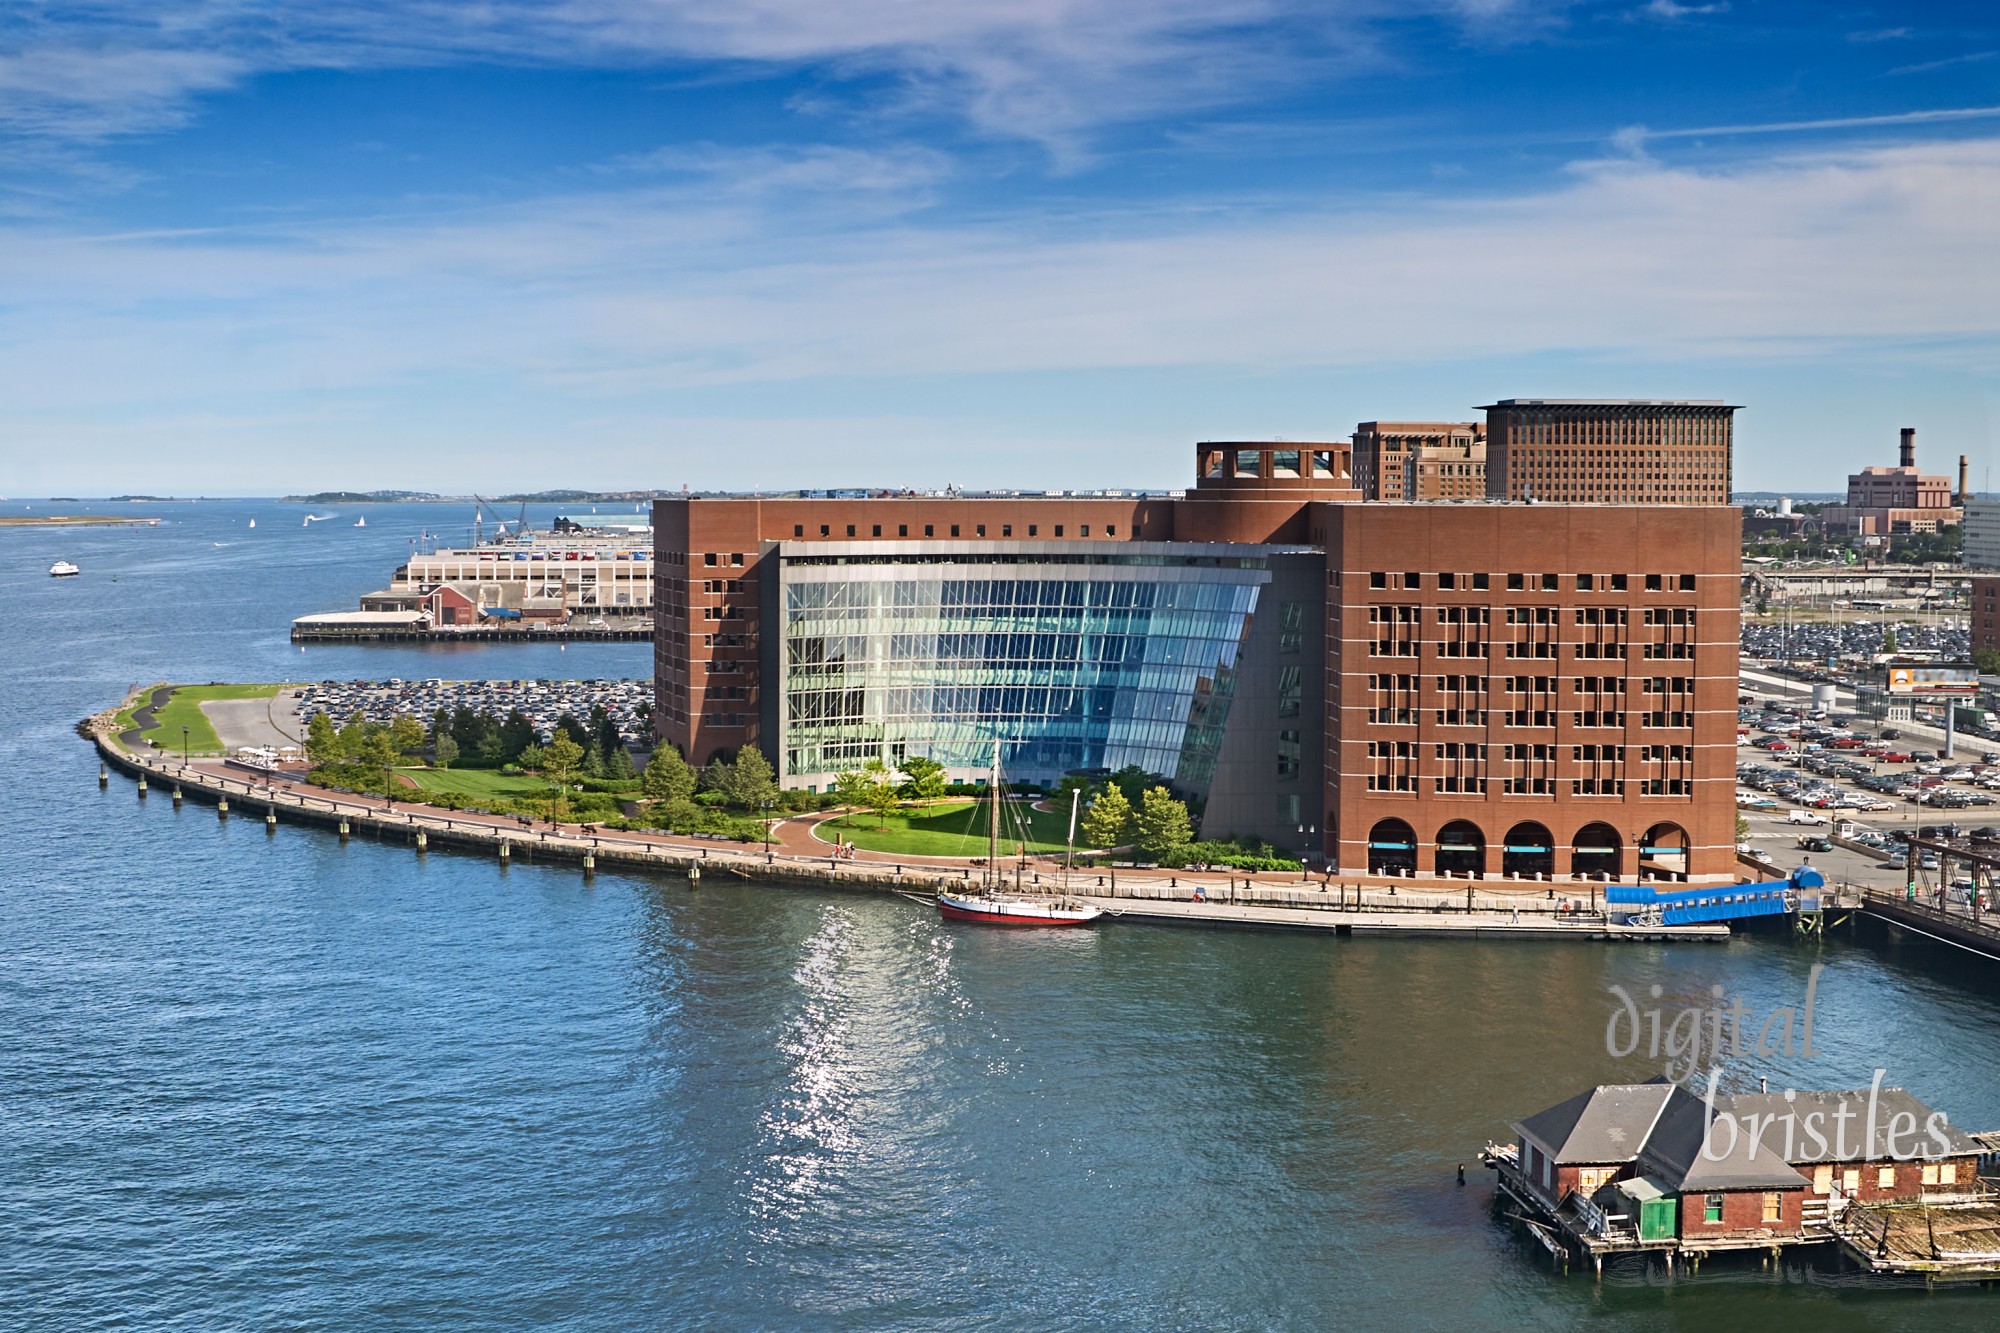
[184, 747]
[766, 803]
[1306, 834]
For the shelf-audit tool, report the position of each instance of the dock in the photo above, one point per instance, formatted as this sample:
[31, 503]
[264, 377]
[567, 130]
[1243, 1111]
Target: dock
[386, 633]
[1479, 923]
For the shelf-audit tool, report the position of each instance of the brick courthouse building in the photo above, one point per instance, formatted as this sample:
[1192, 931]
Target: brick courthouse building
[1466, 687]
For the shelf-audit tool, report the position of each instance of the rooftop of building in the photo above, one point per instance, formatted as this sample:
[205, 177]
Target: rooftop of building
[1611, 402]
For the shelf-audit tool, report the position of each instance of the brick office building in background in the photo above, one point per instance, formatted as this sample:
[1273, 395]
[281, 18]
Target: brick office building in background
[1609, 451]
[1439, 688]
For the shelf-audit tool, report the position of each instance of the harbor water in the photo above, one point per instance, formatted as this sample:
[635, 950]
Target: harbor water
[274, 1081]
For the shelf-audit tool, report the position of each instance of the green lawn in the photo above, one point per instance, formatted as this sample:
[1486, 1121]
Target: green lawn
[478, 783]
[954, 829]
[183, 709]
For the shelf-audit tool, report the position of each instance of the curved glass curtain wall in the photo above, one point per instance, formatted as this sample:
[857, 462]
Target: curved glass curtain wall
[1093, 660]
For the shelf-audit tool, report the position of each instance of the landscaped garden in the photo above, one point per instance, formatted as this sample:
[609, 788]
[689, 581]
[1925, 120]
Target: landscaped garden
[952, 828]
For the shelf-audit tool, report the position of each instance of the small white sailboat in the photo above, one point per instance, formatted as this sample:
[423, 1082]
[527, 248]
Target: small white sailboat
[253, 522]
[361, 522]
[63, 569]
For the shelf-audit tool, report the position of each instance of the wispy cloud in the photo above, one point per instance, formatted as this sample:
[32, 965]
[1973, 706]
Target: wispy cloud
[1671, 11]
[1879, 35]
[1633, 137]
[1972, 58]
[1048, 70]
[668, 289]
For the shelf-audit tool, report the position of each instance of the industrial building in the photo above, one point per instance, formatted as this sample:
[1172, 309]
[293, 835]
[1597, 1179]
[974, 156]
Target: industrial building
[1477, 688]
[1897, 501]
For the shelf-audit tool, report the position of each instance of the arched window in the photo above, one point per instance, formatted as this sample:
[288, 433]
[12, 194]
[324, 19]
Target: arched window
[1392, 848]
[1461, 849]
[1664, 853]
[1529, 850]
[1595, 851]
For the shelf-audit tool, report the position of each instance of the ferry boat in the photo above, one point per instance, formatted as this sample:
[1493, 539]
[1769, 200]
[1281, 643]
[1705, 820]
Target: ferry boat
[63, 569]
[990, 906]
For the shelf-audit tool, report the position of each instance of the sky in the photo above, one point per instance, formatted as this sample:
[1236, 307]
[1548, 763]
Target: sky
[261, 246]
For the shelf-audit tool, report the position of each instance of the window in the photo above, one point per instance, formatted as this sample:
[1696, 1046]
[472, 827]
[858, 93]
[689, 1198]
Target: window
[954, 529]
[1687, 583]
[1378, 580]
[708, 558]
[930, 530]
[902, 529]
[1059, 528]
[1948, 1173]
[1885, 1178]
[1711, 1209]
[737, 559]
[1548, 583]
[1930, 1176]
[1110, 530]
[1033, 528]
[979, 530]
[850, 529]
[1446, 582]
[1517, 582]
[1083, 530]
[1413, 580]
[1655, 582]
[1850, 1180]
[878, 529]
[1479, 582]
[1774, 1206]
[1584, 582]
[798, 529]
[1006, 529]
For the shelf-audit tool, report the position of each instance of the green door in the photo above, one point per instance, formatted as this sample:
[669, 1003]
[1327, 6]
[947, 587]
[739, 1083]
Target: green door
[1657, 1218]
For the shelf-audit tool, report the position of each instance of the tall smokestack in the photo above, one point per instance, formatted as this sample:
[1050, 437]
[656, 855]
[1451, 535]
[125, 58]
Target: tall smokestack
[1964, 477]
[1909, 446]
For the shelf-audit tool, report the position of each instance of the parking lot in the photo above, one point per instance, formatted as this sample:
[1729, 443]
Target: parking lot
[543, 702]
[1845, 793]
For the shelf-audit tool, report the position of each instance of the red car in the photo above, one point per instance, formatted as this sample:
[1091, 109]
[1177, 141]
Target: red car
[1895, 757]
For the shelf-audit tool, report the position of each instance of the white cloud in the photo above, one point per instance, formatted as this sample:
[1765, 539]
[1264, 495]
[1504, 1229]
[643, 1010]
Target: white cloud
[1047, 70]
[631, 294]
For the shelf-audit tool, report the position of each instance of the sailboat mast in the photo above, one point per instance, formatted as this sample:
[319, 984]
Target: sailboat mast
[1069, 848]
[993, 822]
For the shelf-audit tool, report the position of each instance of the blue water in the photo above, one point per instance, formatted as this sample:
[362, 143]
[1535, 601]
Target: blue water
[268, 1081]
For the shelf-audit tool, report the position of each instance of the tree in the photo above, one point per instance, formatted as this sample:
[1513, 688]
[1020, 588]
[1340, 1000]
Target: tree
[322, 741]
[1107, 821]
[516, 735]
[530, 759]
[1132, 781]
[755, 781]
[1163, 823]
[1987, 660]
[871, 787]
[570, 727]
[923, 779]
[618, 764]
[593, 760]
[406, 734]
[445, 750]
[440, 723]
[378, 755]
[354, 734]
[560, 758]
[1889, 639]
[667, 776]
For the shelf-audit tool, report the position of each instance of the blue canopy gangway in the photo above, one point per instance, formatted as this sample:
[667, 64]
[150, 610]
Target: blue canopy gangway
[1798, 891]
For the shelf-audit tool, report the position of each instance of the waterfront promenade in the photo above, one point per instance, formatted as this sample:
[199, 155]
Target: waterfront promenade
[796, 858]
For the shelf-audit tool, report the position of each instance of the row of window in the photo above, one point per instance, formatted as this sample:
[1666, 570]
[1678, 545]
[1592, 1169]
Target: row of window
[1451, 582]
[1530, 684]
[978, 529]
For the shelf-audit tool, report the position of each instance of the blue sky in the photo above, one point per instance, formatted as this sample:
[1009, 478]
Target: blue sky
[256, 247]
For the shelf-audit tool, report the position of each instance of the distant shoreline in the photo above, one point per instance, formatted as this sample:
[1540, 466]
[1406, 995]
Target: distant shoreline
[74, 521]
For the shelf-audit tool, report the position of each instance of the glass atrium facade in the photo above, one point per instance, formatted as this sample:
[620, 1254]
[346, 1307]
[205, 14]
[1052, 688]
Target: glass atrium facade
[1075, 656]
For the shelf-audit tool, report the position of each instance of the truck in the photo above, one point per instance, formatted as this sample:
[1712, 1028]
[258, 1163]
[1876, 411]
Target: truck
[1804, 817]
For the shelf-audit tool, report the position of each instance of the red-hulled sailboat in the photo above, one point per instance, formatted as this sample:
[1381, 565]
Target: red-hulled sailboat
[993, 908]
